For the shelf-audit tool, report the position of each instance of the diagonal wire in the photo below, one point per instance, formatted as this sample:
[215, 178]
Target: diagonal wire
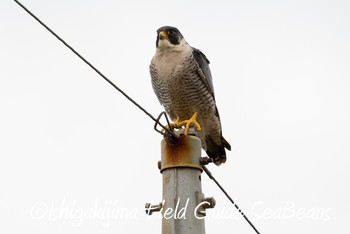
[228, 196]
[96, 70]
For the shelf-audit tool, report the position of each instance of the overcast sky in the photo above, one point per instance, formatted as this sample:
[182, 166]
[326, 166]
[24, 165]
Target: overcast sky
[77, 157]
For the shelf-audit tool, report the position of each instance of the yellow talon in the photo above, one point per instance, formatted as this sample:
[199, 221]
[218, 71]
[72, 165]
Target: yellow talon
[174, 125]
[188, 123]
[177, 123]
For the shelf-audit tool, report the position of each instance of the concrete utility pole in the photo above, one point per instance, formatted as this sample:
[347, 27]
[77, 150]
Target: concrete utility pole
[183, 206]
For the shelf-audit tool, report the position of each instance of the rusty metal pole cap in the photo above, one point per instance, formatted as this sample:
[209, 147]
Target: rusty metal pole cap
[186, 152]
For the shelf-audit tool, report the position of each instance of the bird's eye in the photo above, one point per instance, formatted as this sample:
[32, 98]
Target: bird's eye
[170, 32]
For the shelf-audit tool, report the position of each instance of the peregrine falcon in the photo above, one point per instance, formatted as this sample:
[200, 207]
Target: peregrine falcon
[182, 81]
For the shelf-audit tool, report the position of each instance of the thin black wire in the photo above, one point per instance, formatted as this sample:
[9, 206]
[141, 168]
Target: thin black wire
[157, 122]
[95, 69]
[228, 196]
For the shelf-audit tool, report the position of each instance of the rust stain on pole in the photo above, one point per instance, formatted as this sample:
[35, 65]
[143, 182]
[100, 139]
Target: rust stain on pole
[180, 154]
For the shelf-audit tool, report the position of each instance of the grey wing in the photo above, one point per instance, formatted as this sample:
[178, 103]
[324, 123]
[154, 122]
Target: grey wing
[203, 63]
[215, 144]
[214, 150]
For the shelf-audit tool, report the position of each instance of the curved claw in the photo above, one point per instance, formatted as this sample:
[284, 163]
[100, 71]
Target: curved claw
[188, 123]
[174, 125]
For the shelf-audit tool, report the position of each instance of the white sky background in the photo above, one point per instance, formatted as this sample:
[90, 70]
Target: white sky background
[69, 142]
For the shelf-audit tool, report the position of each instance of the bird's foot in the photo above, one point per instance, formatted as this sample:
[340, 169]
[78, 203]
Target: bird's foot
[177, 124]
[192, 120]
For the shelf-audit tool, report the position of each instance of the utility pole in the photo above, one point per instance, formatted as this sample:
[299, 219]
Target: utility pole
[183, 207]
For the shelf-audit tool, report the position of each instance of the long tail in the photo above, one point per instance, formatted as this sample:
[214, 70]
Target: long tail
[217, 151]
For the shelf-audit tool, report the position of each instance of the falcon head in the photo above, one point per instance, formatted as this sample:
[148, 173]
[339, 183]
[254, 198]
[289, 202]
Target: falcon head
[168, 36]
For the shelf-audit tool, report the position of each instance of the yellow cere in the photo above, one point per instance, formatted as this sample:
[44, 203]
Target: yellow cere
[164, 34]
